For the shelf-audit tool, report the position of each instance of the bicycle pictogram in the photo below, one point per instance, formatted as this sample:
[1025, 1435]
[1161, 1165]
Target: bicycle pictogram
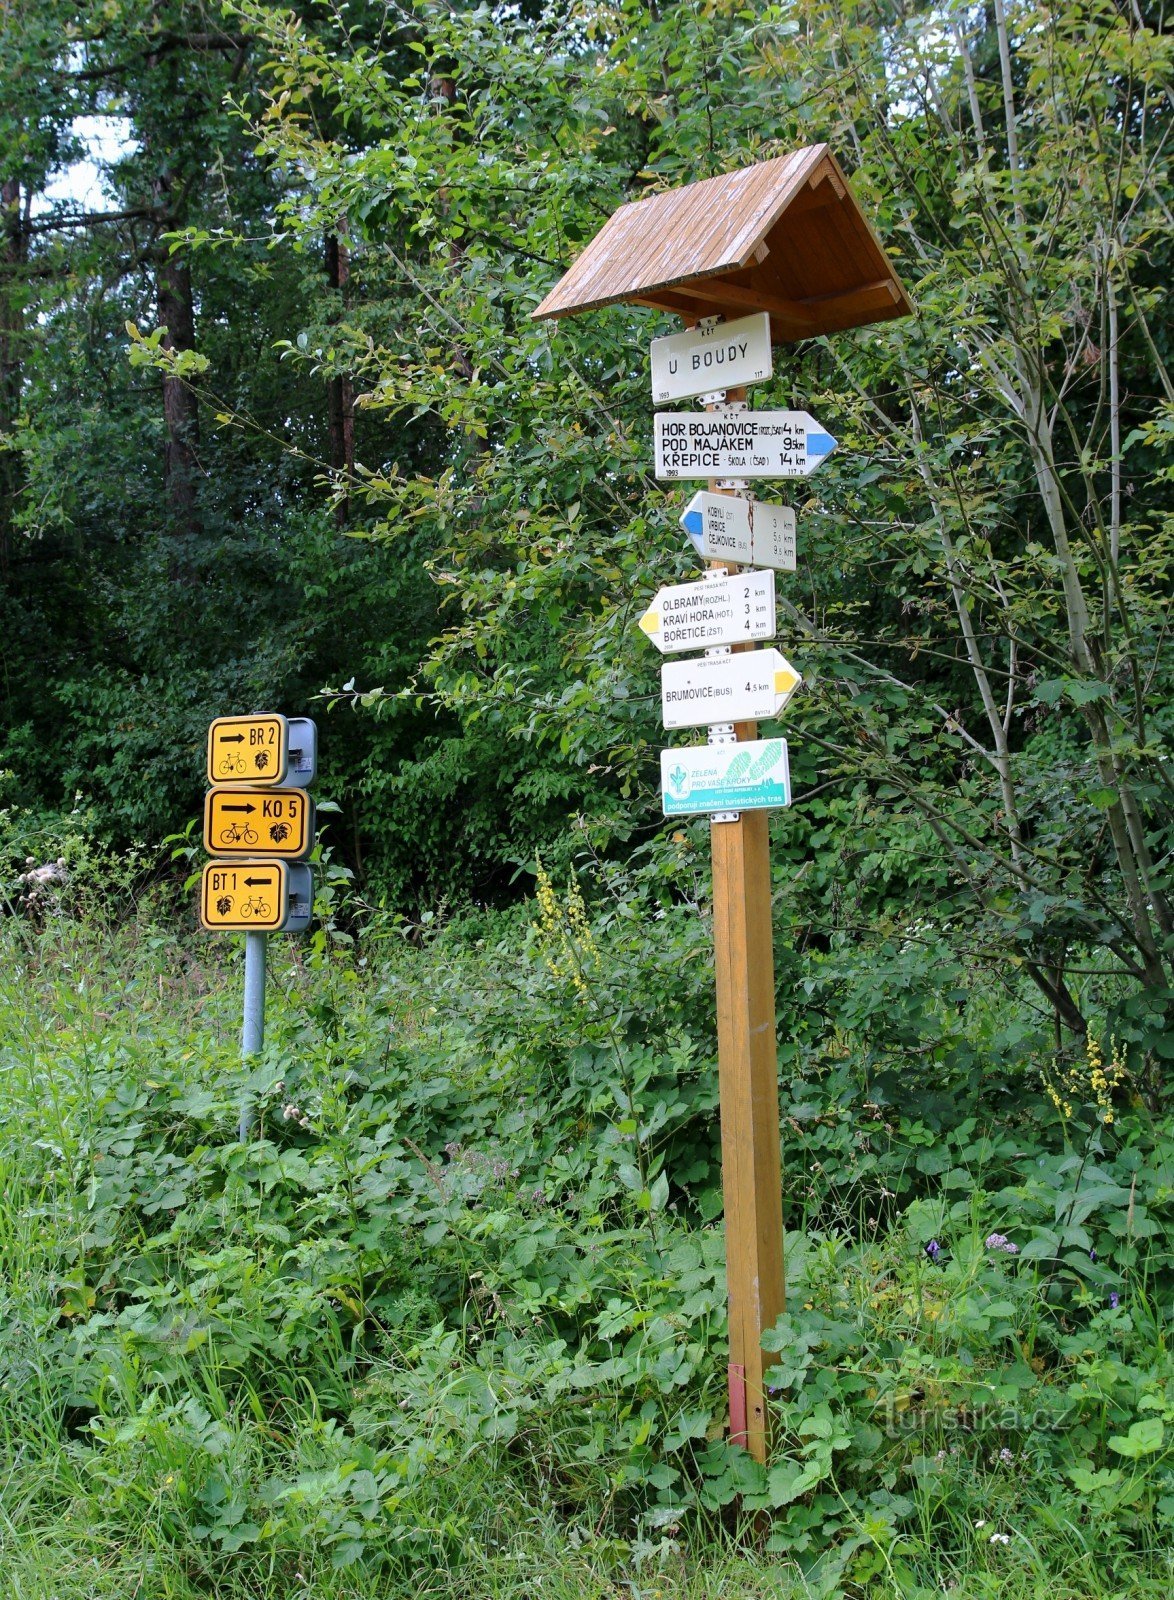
[254, 906]
[232, 765]
[238, 833]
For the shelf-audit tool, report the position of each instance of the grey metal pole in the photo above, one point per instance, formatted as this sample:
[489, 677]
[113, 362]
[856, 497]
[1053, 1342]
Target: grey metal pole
[253, 1025]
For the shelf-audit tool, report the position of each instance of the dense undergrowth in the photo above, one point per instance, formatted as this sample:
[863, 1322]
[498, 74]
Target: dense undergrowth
[454, 1323]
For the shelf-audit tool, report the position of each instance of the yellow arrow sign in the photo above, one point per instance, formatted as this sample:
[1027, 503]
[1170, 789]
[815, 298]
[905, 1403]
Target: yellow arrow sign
[248, 750]
[244, 896]
[241, 822]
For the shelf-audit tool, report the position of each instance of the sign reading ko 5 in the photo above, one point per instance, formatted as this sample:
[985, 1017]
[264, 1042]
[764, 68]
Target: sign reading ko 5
[269, 749]
[239, 822]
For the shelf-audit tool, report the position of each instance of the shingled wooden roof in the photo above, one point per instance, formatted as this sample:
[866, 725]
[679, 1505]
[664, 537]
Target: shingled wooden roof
[784, 236]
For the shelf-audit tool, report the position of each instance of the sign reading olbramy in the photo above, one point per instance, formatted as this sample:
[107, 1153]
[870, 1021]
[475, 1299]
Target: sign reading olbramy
[739, 444]
[741, 688]
[754, 776]
[720, 357]
[694, 616]
[239, 822]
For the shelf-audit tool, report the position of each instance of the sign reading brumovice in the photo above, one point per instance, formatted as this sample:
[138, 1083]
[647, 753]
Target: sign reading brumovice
[753, 776]
[693, 616]
[723, 527]
[722, 356]
[739, 444]
[741, 688]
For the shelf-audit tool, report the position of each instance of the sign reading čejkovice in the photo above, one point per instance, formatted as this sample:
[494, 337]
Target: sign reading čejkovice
[719, 357]
[724, 527]
[739, 444]
[695, 616]
[754, 776]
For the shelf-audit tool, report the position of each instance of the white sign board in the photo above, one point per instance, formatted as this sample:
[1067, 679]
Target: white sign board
[704, 359]
[696, 616]
[724, 527]
[754, 776]
[741, 688]
[739, 444]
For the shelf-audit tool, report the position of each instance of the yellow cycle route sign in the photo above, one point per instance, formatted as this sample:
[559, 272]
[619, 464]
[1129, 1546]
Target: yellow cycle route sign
[248, 896]
[239, 822]
[249, 749]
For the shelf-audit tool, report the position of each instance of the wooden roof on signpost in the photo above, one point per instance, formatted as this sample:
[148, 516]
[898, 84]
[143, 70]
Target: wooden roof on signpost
[785, 236]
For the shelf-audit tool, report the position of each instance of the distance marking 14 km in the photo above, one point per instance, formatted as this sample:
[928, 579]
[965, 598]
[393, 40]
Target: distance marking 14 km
[239, 822]
[739, 444]
[695, 616]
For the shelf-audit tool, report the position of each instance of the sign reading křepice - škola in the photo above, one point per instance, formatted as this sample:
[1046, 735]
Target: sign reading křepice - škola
[739, 444]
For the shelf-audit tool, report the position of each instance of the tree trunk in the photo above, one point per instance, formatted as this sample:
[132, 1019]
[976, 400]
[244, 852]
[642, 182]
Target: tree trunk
[176, 312]
[340, 394]
[13, 254]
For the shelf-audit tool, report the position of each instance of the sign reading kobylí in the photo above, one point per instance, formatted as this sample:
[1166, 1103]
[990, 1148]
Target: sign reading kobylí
[725, 527]
[720, 356]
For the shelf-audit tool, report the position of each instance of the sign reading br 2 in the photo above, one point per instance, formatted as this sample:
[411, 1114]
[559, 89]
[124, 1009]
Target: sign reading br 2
[241, 822]
[248, 750]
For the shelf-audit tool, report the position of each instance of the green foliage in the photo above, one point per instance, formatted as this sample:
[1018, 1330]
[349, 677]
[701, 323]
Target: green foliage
[467, 1285]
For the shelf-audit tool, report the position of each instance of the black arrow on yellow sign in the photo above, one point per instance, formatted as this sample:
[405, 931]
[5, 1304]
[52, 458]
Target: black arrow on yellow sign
[253, 883]
[231, 738]
[249, 807]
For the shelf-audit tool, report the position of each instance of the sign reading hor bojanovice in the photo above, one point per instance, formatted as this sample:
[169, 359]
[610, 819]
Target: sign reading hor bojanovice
[739, 444]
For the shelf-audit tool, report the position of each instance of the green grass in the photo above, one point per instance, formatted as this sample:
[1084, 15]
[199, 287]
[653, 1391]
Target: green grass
[430, 1345]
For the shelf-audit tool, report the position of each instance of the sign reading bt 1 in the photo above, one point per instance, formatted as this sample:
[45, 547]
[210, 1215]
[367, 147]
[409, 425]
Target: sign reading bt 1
[739, 444]
[723, 527]
[703, 359]
[255, 897]
[692, 616]
[754, 776]
[238, 822]
[269, 749]
[741, 688]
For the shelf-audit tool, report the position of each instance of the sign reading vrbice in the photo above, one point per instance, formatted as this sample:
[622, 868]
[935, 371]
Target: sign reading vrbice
[716, 357]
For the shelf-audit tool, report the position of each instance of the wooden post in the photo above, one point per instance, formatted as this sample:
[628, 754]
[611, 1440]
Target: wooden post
[748, 1083]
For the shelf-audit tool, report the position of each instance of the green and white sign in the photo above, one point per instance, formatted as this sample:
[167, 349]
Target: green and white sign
[754, 776]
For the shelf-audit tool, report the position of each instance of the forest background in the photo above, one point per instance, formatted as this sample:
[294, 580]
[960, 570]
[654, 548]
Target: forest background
[277, 431]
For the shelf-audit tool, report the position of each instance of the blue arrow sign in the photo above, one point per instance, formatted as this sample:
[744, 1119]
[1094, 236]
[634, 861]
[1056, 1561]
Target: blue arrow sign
[820, 444]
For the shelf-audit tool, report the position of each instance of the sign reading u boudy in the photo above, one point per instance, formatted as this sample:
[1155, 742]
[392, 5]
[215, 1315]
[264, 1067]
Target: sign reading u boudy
[720, 356]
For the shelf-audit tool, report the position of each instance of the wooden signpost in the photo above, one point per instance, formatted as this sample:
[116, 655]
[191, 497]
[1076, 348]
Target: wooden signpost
[784, 238]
